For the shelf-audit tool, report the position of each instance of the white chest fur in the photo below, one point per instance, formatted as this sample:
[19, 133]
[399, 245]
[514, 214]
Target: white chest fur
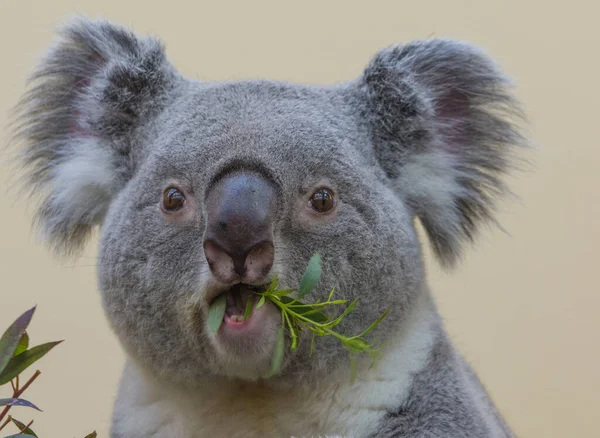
[333, 408]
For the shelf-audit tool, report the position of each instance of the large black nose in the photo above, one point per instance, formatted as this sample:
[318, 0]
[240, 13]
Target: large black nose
[238, 241]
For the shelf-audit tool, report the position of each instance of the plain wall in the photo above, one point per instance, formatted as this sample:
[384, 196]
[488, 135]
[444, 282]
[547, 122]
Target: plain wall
[523, 305]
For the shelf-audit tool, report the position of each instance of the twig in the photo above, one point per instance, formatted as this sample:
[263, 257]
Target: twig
[5, 423]
[26, 427]
[29, 382]
[17, 394]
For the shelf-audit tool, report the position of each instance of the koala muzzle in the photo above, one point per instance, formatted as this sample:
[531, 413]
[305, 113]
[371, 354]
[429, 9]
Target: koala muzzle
[238, 241]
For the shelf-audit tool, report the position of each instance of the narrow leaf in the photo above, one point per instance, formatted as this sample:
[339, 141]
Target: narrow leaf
[23, 344]
[216, 312]
[356, 345]
[248, 308]
[312, 314]
[92, 435]
[312, 344]
[12, 337]
[349, 309]
[293, 332]
[281, 293]
[372, 326]
[311, 276]
[277, 353]
[19, 363]
[23, 427]
[17, 402]
[261, 302]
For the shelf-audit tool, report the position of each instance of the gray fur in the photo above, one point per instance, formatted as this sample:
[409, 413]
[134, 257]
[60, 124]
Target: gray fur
[426, 132]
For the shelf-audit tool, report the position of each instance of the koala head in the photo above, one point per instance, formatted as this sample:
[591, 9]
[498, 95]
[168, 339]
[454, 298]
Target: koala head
[204, 188]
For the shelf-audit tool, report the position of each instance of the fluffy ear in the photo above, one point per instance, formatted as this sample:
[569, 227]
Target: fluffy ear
[443, 128]
[81, 122]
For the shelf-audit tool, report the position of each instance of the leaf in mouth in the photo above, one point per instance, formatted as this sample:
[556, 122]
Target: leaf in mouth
[216, 312]
[248, 308]
[297, 316]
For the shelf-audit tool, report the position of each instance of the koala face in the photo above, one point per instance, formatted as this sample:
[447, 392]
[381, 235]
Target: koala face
[204, 189]
[250, 176]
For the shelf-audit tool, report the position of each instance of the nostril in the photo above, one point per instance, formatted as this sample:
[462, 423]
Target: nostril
[221, 264]
[259, 261]
[251, 266]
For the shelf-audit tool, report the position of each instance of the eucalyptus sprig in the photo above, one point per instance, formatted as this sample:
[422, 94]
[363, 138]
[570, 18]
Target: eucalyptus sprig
[298, 316]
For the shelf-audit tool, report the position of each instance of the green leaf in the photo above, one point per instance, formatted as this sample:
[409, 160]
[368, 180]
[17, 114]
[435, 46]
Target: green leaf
[216, 312]
[19, 363]
[261, 302]
[311, 276]
[312, 344]
[92, 435]
[248, 308]
[12, 337]
[17, 402]
[372, 326]
[310, 313]
[280, 293]
[23, 427]
[23, 344]
[277, 353]
[349, 309]
[293, 332]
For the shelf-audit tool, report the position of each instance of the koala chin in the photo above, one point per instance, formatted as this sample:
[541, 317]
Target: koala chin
[207, 188]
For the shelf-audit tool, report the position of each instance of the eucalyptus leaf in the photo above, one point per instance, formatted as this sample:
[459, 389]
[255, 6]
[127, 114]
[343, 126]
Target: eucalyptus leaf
[23, 427]
[297, 316]
[23, 344]
[92, 435]
[12, 338]
[20, 363]
[18, 402]
[349, 309]
[277, 353]
[311, 276]
[310, 313]
[216, 311]
[248, 308]
[376, 323]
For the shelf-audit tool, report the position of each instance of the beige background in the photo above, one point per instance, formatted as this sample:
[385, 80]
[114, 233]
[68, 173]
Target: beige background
[523, 307]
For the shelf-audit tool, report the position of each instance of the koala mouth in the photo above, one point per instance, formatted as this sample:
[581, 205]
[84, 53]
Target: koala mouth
[239, 297]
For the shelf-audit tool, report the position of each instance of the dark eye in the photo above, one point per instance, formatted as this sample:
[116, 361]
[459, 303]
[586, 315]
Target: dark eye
[322, 200]
[172, 200]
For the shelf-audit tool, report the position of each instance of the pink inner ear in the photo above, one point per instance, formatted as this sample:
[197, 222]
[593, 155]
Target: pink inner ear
[452, 111]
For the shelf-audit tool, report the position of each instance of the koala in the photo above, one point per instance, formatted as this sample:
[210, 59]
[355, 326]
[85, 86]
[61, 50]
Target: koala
[200, 189]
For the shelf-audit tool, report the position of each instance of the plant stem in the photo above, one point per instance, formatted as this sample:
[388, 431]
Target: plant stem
[5, 423]
[17, 394]
[26, 427]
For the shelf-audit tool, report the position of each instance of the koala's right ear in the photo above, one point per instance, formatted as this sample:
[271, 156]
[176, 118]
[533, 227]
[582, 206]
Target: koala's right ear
[80, 123]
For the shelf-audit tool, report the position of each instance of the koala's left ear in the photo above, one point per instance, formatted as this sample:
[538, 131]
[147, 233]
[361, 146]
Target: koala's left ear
[443, 129]
[83, 120]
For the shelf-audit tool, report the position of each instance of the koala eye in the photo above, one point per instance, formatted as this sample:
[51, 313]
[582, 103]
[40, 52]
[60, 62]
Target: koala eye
[322, 200]
[172, 200]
